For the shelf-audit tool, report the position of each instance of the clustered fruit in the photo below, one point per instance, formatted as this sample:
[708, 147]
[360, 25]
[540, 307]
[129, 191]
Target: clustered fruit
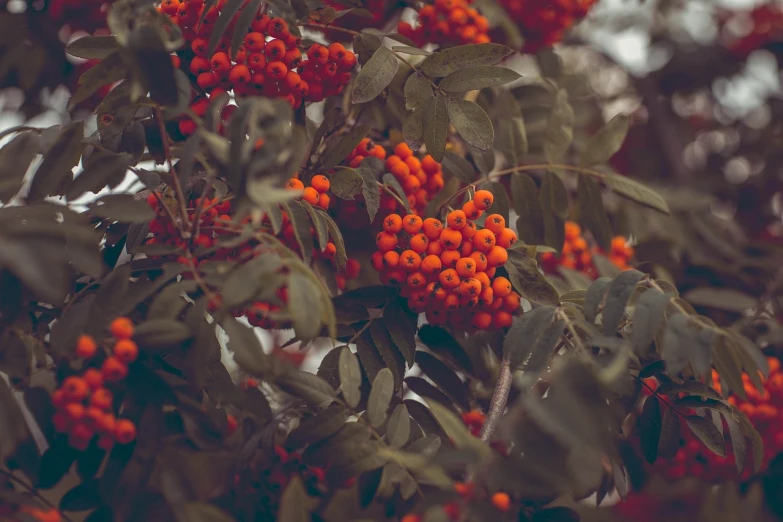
[763, 409]
[445, 23]
[577, 253]
[449, 272]
[84, 403]
[213, 219]
[270, 62]
[544, 22]
[420, 179]
[767, 27]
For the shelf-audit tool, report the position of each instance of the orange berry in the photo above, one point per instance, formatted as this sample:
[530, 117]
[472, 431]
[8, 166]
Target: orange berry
[482, 321]
[75, 389]
[466, 267]
[506, 238]
[403, 151]
[484, 240]
[434, 248]
[451, 302]
[501, 319]
[231, 425]
[511, 302]
[487, 296]
[449, 278]
[101, 399]
[432, 228]
[386, 241]
[572, 230]
[413, 163]
[85, 346]
[75, 411]
[124, 431]
[429, 165]
[497, 256]
[410, 260]
[480, 259]
[450, 258]
[618, 244]
[501, 501]
[121, 328]
[126, 350]
[310, 195]
[295, 184]
[495, 223]
[392, 223]
[419, 243]
[470, 287]
[471, 211]
[391, 259]
[483, 199]
[411, 517]
[114, 369]
[466, 248]
[323, 201]
[579, 244]
[93, 378]
[450, 239]
[456, 219]
[501, 287]
[431, 265]
[320, 183]
[417, 280]
[412, 224]
[400, 170]
[483, 279]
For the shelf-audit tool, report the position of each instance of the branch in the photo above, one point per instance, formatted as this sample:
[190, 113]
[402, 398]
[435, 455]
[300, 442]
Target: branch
[499, 399]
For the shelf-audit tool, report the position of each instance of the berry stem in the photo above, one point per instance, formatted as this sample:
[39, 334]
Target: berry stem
[499, 399]
[179, 193]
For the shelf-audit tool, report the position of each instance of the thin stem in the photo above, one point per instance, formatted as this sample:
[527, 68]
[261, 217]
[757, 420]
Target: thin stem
[498, 403]
[179, 193]
[541, 166]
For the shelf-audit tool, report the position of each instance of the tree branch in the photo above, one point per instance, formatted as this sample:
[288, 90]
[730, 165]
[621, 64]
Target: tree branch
[499, 399]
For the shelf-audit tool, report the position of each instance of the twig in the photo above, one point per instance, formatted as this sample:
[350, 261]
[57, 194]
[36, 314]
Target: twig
[179, 193]
[498, 403]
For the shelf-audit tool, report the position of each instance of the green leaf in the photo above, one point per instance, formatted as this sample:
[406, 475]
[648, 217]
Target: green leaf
[112, 69]
[435, 122]
[424, 389]
[512, 140]
[380, 396]
[346, 183]
[606, 142]
[690, 388]
[158, 333]
[738, 443]
[122, 207]
[390, 181]
[595, 296]
[56, 168]
[479, 77]
[650, 426]
[305, 306]
[392, 358]
[554, 207]
[350, 377]
[317, 218]
[227, 12]
[528, 280]
[318, 427]
[648, 318]
[402, 328]
[521, 344]
[592, 212]
[15, 159]
[365, 45]
[457, 432]
[398, 431]
[559, 131]
[471, 122]
[407, 49]
[369, 170]
[706, 431]
[524, 195]
[447, 61]
[337, 239]
[669, 441]
[456, 166]
[295, 504]
[98, 173]
[306, 386]
[337, 152]
[243, 22]
[14, 430]
[619, 293]
[252, 280]
[444, 378]
[721, 298]
[413, 129]
[418, 93]
[446, 346]
[549, 63]
[368, 354]
[375, 75]
[635, 191]
[300, 221]
[93, 47]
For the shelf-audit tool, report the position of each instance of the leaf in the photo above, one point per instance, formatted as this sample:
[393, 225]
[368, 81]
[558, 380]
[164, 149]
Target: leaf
[447, 61]
[650, 428]
[295, 504]
[554, 207]
[348, 142]
[424, 389]
[375, 75]
[738, 443]
[346, 183]
[445, 345]
[14, 431]
[300, 221]
[592, 212]
[528, 280]
[617, 297]
[368, 170]
[109, 70]
[98, 173]
[337, 239]
[390, 181]
[512, 139]
[58, 163]
[606, 142]
[318, 427]
[306, 386]
[15, 159]
[559, 131]
[669, 441]
[549, 63]
[635, 191]
[457, 431]
[368, 355]
[721, 298]
[520, 344]
[595, 296]
[524, 196]
[305, 306]
[398, 431]
[93, 47]
[435, 122]
[392, 358]
[471, 122]
[227, 15]
[122, 207]
[401, 325]
[350, 377]
[478, 77]
[413, 129]
[690, 388]
[243, 22]
[444, 377]
[458, 167]
[418, 93]
[380, 396]
[648, 316]
[706, 431]
[251, 280]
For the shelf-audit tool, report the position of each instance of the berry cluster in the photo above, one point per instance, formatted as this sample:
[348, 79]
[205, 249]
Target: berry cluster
[447, 22]
[421, 179]
[763, 409]
[577, 253]
[500, 500]
[544, 22]
[270, 61]
[85, 405]
[448, 271]
[767, 27]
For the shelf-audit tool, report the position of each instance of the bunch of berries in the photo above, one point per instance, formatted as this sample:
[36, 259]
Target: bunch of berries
[763, 409]
[499, 500]
[474, 420]
[421, 179]
[544, 22]
[446, 23]
[270, 62]
[84, 403]
[767, 27]
[577, 253]
[448, 271]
